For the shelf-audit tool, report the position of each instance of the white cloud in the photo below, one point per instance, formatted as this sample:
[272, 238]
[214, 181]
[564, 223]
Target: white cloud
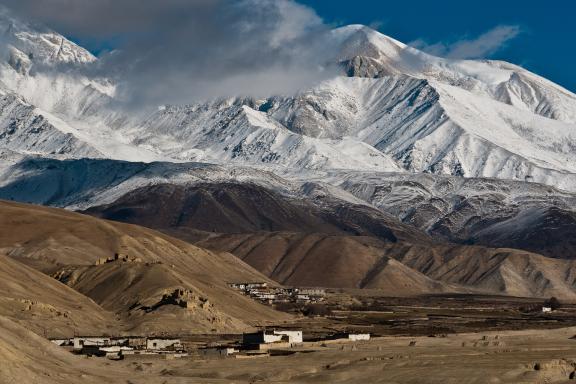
[482, 46]
[179, 51]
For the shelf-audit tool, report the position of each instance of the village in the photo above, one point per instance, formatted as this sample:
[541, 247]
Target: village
[262, 343]
[302, 336]
[266, 294]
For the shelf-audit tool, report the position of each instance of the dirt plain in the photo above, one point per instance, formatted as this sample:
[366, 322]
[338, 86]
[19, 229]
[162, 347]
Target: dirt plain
[432, 339]
[491, 357]
[53, 285]
[532, 356]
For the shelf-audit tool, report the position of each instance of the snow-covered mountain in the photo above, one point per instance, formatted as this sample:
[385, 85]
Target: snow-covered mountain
[395, 112]
[26, 45]
[393, 109]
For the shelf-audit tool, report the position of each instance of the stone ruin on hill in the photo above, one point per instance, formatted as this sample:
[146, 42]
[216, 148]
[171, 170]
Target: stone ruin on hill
[119, 257]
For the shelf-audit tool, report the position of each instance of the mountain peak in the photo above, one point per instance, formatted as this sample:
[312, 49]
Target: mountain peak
[359, 40]
[28, 44]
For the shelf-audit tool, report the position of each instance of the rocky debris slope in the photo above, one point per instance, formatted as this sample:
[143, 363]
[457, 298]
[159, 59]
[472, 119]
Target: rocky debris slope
[489, 212]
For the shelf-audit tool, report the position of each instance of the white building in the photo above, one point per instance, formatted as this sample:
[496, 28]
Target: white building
[116, 348]
[80, 342]
[266, 296]
[312, 291]
[262, 337]
[267, 337]
[293, 336]
[158, 343]
[546, 309]
[62, 342]
[359, 336]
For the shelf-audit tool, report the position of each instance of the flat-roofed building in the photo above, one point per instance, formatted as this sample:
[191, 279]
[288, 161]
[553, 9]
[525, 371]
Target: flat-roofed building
[80, 342]
[359, 336]
[275, 336]
[163, 343]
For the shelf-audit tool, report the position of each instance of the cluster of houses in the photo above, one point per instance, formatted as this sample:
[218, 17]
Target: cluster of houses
[264, 293]
[263, 342]
[115, 348]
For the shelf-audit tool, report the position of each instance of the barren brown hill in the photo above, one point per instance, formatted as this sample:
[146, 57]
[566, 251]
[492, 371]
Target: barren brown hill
[245, 208]
[327, 261]
[334, 244]
[29, 358]
[158, 284]
[496, 270]
[47, 306]
[399, 268]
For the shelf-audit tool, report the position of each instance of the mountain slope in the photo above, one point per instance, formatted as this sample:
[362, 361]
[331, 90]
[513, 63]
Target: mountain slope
[69, 245]
[399, 268]
[450, 208]
[545, 230]
[508, 271]
[242, 208]
[427, 126]
[34, 44]
[45, 306]
[326, 260]
[26, 130]
[238, 130]
[29, 358]
[490, 212]
[368, 53]
[298, 243]
[395, 108]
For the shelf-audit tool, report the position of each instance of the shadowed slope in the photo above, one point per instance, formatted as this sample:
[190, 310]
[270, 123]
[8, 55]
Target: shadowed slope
[241, 208]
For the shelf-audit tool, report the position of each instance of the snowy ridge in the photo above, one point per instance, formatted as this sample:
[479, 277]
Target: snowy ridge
[82, 183]
[233, 131]
[399, 193]
[482, 211]
[505, 82]
[397, 110]
[23, 128]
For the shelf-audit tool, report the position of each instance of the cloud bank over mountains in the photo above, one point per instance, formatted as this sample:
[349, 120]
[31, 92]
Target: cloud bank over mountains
[182, 51]
[176, 51]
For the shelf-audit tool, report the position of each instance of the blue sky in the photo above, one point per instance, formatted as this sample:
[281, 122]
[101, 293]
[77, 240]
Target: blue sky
[545, 44]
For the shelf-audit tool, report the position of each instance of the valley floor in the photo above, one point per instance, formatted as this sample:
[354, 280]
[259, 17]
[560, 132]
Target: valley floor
[426, 339]
[533, 356]
[427, 315]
